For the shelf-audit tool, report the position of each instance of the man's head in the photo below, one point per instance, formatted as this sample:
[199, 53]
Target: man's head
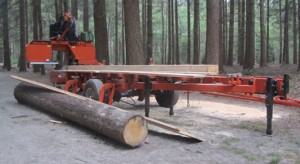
[68, 17]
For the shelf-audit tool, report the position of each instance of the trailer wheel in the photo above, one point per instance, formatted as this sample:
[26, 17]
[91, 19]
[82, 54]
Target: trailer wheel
[163, 98]
[92, 89]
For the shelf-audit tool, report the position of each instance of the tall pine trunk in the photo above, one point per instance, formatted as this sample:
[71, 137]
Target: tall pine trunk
[196, 32]
[295, 32]
[144, 26]
[285, 59]
[263, 46]
[268, 33]
[149, 32]
[134, 46]
[75, 8]
[22, 59]
[169, 33]
[66, 5]
[189, 32]
[225, 30]
[250, 35]
[123, 37]
[299, 34]
[6, 39]
[241, 32]
[280, 32]
[231, 34]
[116, 33]
[212, 33]
[221, 19]
[101, 35]
[163, 49]
[172, 32]
[176, 34]
[86, 25]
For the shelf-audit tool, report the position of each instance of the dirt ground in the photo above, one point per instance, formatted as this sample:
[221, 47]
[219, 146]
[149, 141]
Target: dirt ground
[234, 130]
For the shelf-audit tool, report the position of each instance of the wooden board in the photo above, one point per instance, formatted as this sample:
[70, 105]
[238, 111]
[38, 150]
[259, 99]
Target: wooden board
[149, 120]
[173, 129]
[214, 69]
[163, 74]
[191, 71]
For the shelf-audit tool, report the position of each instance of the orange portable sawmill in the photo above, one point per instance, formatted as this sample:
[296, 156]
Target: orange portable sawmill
[85, 75]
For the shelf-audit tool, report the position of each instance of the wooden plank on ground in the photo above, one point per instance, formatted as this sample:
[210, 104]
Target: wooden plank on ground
[151, 121]
[173, 129]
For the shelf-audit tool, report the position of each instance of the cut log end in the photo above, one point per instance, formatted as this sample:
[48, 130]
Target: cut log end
[135, 131]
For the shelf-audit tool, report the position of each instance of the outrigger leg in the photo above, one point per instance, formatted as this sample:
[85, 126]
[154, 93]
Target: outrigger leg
[271, 87]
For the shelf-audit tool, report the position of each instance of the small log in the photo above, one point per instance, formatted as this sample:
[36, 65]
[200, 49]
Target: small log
[110, 121]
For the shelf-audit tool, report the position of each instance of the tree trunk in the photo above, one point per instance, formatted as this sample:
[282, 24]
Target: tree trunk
[285, 59]
[231, 34]
[66, 5]
[123, 36]
[299, 34]
[58, 9]
[6, 46]
[149, 32]
[116, 33]
[268, 33]
[169, 33]
[263, 46]
[101, 35]
[280, 32]
[176, 34]
[26, 24]
[221, 19]
[189, 32]
[75, 9]
[163, 49]
[241, 32]
[40, 19]
[250, 35]
[86, 17]
[225, 32]
[134, 47]
[172, 32]
[212, 33]
[196, 32]
[295, 31]
[110, 121]
[22, 59]
[40, 23]
[144, 26]
[36, 68]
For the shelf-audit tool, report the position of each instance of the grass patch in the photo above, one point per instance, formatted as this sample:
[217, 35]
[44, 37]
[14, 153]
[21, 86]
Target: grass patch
[252, 126]
[241, 152]
[275, 158]
[230, 140]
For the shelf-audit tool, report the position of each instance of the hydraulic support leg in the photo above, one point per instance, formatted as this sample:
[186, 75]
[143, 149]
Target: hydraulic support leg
[171, 113]
[148, 87]
[271, 87]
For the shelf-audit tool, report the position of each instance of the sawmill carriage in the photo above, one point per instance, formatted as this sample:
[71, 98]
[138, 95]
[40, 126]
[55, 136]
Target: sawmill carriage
[83, 74]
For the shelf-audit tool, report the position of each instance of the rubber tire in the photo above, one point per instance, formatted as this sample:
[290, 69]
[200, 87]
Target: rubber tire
[92, 89]
[163, 98]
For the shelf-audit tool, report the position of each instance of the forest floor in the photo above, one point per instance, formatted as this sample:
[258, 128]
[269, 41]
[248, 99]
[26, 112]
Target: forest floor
[234, 130]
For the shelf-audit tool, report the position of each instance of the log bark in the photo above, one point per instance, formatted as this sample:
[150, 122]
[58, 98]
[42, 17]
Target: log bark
[110, 121]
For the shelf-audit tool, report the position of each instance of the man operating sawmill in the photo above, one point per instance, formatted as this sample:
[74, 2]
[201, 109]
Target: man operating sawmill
[68, 29]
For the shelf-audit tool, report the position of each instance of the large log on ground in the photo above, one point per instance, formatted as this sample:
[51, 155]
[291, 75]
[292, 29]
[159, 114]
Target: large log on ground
[110, 121]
